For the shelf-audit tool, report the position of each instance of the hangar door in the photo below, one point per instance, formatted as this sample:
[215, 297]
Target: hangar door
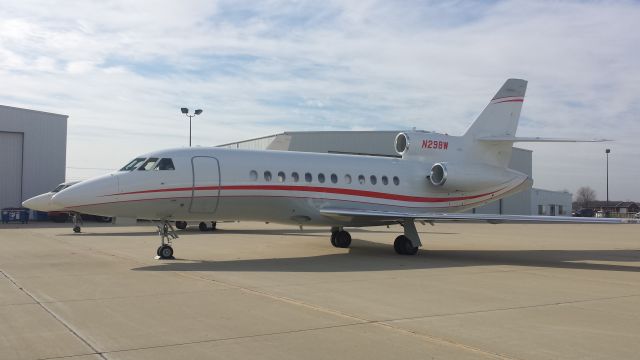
[10, 169]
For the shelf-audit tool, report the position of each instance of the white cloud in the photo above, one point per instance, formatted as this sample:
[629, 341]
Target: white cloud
[121, 70]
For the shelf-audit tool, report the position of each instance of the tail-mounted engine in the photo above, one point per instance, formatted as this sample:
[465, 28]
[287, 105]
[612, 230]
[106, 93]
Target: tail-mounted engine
[468, 177]
[422, 144]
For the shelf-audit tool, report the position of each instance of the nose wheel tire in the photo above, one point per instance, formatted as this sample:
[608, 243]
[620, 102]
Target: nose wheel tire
[341, 239]
[181, 225]
[403, 246]
[165, 252]
[76, 229]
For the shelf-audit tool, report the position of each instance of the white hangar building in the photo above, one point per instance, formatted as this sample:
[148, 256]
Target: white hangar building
[381, 143]
[33, 152]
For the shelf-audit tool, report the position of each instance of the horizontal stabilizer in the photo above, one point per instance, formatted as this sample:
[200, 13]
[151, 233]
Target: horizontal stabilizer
[536, 139]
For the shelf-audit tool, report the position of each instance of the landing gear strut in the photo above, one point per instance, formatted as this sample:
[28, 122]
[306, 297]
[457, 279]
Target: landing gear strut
[340, 238]
[167, 234]
[77, 222]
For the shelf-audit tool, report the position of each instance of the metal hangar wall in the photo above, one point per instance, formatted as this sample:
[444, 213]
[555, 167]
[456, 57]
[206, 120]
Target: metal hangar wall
[33, 151]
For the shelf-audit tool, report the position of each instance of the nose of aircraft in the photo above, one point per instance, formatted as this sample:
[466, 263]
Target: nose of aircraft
[86, 193]
[41, 202]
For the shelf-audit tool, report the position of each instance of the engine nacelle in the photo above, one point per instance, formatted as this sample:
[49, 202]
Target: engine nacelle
[422, 143]
[468, 177]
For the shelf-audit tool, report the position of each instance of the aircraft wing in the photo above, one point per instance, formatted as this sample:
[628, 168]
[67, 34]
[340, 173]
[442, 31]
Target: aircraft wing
[342, 213]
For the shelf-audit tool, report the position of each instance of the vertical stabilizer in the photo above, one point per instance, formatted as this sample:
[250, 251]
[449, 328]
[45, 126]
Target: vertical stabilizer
[499, 118]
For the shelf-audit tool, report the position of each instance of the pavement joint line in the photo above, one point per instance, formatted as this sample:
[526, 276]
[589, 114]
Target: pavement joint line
[361, 321]
[572, 302]
[254, 336]
[18, 304]
[67, 356]
[129, 297]
[56, 317]
[543, 273]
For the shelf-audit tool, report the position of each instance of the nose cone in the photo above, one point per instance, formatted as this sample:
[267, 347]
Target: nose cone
[86, 194]
[41, 202]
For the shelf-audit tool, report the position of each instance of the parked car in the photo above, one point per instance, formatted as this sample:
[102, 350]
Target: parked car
[584, 213]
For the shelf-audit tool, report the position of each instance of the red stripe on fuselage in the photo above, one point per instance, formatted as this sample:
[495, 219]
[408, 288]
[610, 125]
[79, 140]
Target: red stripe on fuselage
[318, 189]
[507, 99]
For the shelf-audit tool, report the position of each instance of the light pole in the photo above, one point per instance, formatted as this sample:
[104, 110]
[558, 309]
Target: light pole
[186, 112]
[607, 151]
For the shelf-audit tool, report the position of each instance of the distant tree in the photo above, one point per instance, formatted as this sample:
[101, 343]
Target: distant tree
[585, 195]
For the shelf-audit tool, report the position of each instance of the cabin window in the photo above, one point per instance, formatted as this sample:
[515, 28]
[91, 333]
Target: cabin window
[164, 164]
[361, 179]
[321, 177]
[373, 180]
[267, 176]
[281, 176]
[347, 179]
[253, 175]
[295, 177]
[385, 180]
[334, 178]
[132, 164]
[308, 177]
[396, 180]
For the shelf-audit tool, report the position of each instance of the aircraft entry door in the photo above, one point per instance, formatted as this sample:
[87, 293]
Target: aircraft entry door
[206, 185]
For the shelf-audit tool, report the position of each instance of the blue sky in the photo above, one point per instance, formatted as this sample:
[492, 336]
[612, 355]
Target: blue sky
[121, 70]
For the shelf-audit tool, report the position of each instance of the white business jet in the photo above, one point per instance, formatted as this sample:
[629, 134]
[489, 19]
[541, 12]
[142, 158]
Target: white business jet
[437, 177]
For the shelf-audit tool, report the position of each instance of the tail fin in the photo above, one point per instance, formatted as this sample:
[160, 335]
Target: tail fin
[498, 119]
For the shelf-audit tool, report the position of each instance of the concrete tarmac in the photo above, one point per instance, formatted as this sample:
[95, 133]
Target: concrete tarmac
[267, 291]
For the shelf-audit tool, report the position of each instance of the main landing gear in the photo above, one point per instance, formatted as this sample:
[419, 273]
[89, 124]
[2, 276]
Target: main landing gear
[167, 234]
[77, 222]
[203, 226]
[406, 244]
[340, 238]
[182, 225]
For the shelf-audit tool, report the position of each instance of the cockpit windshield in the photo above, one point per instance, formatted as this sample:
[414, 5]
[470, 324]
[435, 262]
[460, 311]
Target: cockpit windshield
[149, 164]
[133, 164]
[59, 188]
[153, 163]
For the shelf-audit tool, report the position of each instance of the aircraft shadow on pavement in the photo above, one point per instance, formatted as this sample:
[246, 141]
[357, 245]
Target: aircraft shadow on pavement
[369, 256]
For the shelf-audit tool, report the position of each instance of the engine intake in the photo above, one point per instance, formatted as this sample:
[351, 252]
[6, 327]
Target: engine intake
[438, 174]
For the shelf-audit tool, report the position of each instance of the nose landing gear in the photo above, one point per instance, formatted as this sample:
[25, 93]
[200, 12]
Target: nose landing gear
[167, 235]
[77, 222]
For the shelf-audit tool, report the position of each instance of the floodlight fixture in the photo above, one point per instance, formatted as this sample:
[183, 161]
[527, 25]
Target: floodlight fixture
[185, 111]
